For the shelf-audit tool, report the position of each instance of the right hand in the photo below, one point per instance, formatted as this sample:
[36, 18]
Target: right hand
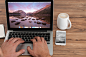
[40, 48]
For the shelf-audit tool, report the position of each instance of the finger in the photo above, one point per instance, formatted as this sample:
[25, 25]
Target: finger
[38, 38]
[10, 39]
[18, 42]
[20, 52]
[33, 40]
[15, 40]
[45, 42]
[42, 39]
[30, 51]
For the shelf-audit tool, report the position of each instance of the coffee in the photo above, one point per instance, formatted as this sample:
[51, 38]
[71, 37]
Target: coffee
[63, 15]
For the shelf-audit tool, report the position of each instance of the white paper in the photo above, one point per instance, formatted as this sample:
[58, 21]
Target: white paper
[2, 33]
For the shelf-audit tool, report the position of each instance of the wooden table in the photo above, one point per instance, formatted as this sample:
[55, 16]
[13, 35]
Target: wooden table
[76, 36]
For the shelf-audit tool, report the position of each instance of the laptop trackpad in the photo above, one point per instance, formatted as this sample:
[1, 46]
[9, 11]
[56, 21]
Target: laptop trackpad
[24, 46]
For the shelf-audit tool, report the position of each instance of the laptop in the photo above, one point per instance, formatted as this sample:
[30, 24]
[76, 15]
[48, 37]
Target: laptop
[27, 19]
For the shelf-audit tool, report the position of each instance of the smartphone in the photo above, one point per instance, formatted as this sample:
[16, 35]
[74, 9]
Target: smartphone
[60, 38]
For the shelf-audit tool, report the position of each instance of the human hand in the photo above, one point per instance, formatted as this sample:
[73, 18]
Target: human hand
[40, 48]
[8, 48]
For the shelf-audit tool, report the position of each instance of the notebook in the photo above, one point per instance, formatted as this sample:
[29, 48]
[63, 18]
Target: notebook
[2, 32]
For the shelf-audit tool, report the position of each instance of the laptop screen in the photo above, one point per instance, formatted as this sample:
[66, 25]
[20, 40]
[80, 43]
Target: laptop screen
[29, 14]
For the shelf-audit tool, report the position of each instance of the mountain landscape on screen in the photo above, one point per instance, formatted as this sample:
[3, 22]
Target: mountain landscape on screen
[41, 15]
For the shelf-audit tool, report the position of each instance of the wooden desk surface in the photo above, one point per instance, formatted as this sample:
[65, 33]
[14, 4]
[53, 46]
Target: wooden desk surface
[76, 36]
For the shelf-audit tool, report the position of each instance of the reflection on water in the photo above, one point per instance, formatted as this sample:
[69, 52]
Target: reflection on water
[28, 21]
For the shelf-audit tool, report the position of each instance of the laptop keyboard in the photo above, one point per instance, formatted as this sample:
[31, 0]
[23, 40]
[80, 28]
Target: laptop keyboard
[26, 36]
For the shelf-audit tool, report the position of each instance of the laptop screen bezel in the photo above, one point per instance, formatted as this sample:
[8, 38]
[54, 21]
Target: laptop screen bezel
[7, 14]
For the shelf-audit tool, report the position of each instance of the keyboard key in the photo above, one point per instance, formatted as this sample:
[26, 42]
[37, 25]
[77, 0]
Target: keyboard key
[26, 36]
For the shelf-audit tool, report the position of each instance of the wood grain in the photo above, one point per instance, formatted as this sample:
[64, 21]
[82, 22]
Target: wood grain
[76, 36]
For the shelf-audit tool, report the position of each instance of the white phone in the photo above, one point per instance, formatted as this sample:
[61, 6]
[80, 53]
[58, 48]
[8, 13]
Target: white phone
[60, 38]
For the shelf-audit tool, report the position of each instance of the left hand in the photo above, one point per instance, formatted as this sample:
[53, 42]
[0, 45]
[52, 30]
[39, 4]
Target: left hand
[8, 48]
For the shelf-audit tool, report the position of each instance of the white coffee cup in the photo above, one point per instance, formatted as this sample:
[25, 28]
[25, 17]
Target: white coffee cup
[63, 21]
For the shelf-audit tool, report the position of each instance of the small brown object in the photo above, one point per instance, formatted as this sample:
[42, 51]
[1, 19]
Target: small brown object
[29, 18]
[16, 19]
[38, 22]
[25, 19]
[13, 21]
[17, 23]
[22, 17]
[37, 19]
[22, 20]
[34, 21]
[44, 23]
[30, 21]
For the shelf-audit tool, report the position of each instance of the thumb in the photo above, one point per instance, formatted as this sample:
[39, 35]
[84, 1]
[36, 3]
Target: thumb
[30, 50]
[20, 52]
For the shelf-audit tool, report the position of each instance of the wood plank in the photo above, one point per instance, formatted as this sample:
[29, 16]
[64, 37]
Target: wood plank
[75, 45]
[70, 7]
[74, 38]
[68, 55]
